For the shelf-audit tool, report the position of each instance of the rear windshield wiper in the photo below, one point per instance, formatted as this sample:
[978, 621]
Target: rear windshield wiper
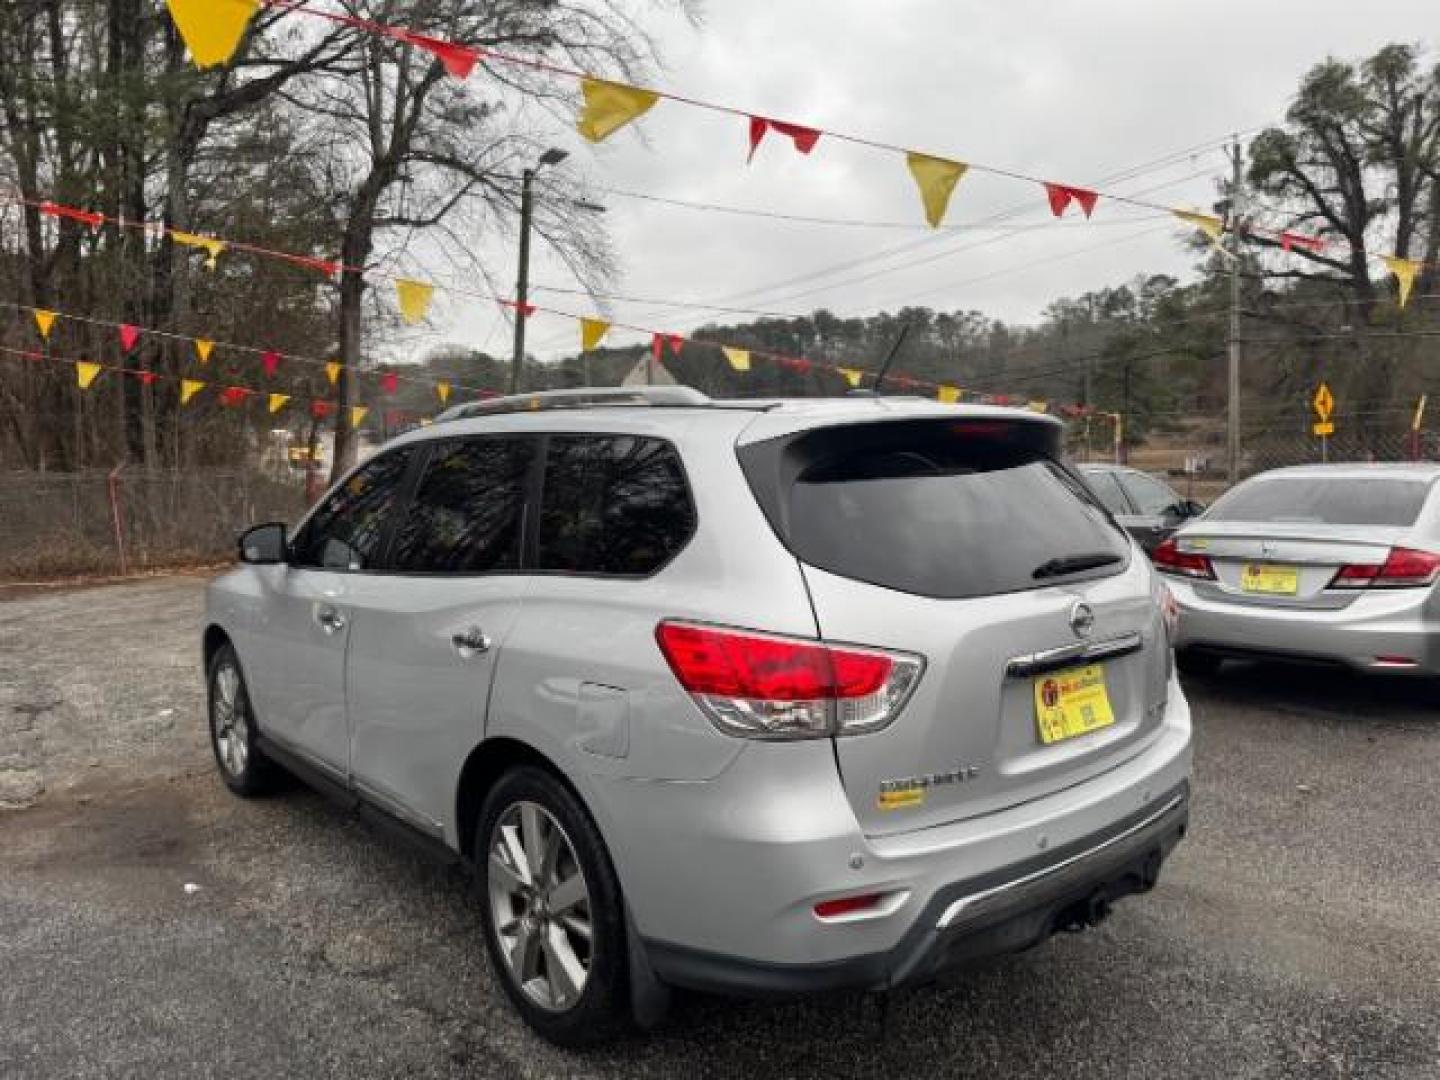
[1071, 564]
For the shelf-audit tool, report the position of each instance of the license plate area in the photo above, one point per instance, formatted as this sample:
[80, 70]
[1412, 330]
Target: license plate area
[1270, 579]
[1071, 703]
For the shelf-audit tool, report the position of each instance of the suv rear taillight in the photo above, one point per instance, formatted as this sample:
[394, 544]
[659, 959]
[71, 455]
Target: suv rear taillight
[765, 686]
[1169, 559]
[1403, 568]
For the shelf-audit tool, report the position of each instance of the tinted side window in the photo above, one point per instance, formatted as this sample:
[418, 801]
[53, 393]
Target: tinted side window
[613, 504]
[1150, 496]
[468, 511]
[346, 531]
[1107, 490]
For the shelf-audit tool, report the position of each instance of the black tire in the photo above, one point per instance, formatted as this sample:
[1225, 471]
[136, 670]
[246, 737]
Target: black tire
[601, 1012]
[1202, 664]
[244, 768]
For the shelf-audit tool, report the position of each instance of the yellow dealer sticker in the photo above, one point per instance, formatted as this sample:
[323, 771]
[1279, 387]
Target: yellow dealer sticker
[900, 800]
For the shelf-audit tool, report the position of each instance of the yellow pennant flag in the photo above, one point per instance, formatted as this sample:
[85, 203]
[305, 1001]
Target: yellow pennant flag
[852, 375]
[610, 106]
[85, 373]
[414, 299]
[1405, 271]
[277, 402]
[739, 358]
[442, 388]
[948, 394]
[591, 333]
[936, 178]
[211, 29]
[211, 246]
[332, 371]
[357, 414]
[1210, 225]
[188, 389]
[1039, 406]
[44, 320]
[203, 349]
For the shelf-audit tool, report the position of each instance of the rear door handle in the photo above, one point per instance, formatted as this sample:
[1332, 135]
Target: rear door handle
[330, 619]
[470, 641]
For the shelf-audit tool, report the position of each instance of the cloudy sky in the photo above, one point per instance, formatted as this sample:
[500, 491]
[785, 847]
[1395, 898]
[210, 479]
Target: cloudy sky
[1132, 96]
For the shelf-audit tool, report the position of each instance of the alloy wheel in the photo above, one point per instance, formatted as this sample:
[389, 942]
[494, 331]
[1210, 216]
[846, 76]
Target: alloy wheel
[540, 906]
[229, 722]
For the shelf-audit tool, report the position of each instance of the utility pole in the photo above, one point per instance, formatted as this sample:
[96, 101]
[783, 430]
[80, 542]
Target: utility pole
[522, 280]
[1232, 440]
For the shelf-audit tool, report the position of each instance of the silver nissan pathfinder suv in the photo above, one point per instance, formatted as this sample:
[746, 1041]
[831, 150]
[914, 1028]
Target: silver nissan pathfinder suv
[755, 697]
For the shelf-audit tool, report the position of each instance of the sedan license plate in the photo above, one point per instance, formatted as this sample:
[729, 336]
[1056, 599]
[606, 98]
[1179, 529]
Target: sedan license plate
[1270, 580]
[1072, 702]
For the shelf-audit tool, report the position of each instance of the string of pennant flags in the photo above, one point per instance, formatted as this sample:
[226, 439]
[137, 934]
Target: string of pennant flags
[213, 29]
[664, 345]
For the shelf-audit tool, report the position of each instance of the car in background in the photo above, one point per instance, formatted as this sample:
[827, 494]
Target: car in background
[1143, 505]
[755, 697]
[1332, 563]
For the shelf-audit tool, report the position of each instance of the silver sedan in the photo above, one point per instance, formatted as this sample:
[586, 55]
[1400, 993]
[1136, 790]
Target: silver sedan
[1334, 563]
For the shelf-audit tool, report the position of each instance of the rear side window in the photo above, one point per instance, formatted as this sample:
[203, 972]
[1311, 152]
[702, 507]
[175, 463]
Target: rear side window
[348, 528]
[936, 508]
[1107, 490]
[612, 504]
[467, 514]
[1327, 500]
[1150, 496]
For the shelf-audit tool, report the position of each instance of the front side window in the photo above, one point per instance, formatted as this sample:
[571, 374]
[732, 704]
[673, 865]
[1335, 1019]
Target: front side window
[1150, 496]
[346, 531]
[467, 515]
[612, 504]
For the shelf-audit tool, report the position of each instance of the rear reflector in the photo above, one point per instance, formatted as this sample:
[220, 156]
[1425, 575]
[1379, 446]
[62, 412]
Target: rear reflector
[1169, 559]
[847, 905]
[1403, 568]
[1396, 662]
[765, 686]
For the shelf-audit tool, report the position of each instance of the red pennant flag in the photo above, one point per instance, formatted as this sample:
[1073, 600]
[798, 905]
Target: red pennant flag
[393, 417]
[527, 310]
[271, 362]
[389, 382]
[146, 377]
[86, 217]
[795, 364]
[1289, 241]
[129, 337]
[458, 60]
[1061, 195]
[320, 409]
[804, 138]
[328, 267]
[1000, 399]
[233, 395]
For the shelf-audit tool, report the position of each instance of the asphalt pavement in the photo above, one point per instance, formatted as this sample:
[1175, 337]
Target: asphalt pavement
[152, 925]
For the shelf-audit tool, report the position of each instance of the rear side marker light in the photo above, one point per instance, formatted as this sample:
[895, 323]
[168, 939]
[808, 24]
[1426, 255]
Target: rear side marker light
[1396, 662]
[1169, 559]
[1403, 568]
[767, 686]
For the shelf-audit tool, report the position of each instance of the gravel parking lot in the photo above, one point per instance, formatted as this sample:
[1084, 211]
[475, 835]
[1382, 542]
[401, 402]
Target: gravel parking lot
[1297, 932]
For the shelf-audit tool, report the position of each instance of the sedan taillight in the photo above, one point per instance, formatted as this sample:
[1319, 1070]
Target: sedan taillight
[1169, 559]
[1403, 568]
[765, 686]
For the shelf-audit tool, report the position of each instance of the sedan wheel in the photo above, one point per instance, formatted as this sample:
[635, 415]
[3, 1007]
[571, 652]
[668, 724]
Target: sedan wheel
[540, 906]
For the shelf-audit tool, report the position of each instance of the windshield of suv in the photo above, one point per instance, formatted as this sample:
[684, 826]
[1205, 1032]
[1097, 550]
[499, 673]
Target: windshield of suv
[942, 509]
[1323, 500]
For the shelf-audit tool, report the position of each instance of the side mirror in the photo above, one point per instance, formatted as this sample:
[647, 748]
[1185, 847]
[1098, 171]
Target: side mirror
[1191, 508]
[263, 545]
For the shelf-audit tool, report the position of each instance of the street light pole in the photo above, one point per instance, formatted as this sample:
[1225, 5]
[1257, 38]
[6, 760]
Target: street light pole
[522, 279]
[1232, 425]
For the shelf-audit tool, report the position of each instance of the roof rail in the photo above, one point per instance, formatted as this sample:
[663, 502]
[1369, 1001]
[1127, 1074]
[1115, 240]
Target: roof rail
[584, 397]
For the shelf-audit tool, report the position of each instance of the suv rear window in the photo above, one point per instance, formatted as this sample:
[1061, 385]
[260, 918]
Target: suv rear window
[1323, 500]
[937, 508]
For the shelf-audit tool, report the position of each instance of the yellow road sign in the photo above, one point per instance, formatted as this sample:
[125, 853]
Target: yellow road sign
[1323, 402]
[1324, 427]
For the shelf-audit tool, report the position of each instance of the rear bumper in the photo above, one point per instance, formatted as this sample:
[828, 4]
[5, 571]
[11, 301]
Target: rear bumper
[985, 916]
[1365, 635]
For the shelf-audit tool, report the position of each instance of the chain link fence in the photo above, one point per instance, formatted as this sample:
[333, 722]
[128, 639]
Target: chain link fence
[60, 524]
